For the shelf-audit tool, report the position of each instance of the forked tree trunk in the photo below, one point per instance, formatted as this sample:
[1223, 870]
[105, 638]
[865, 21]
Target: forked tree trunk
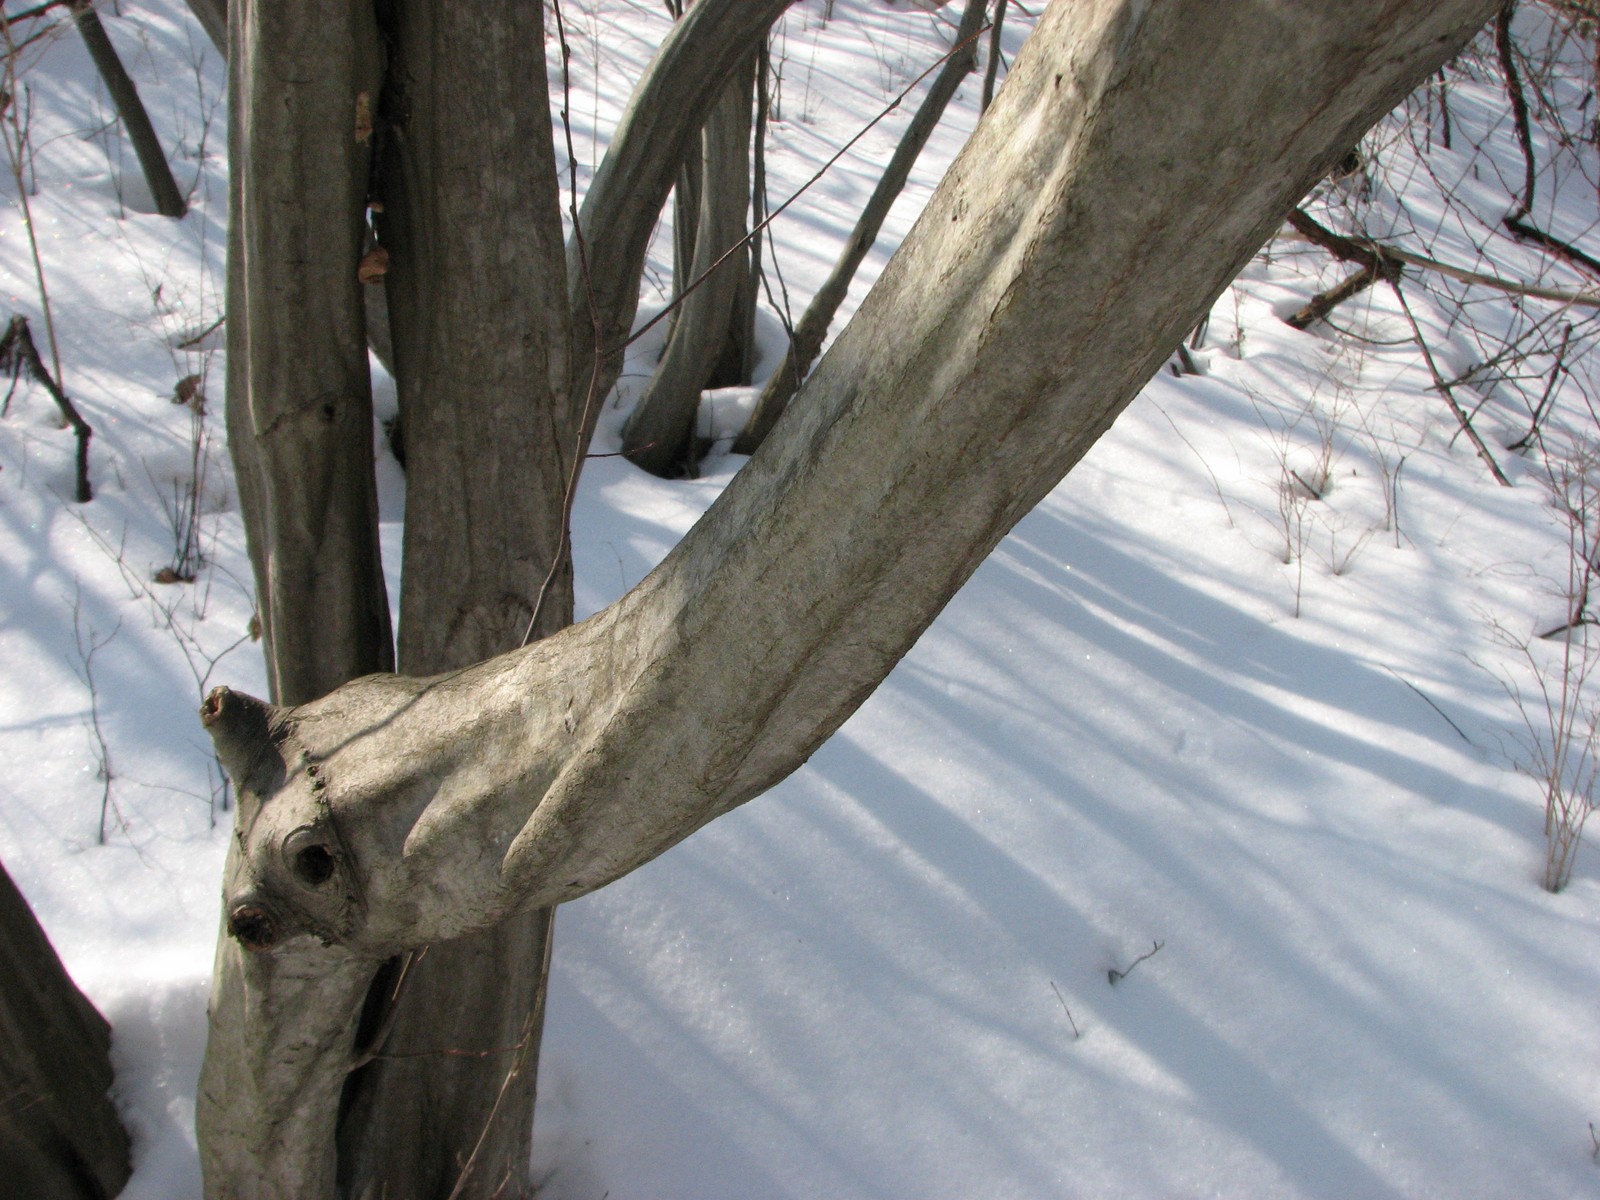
[59, 1135]
[659, 435]
[1137, 157]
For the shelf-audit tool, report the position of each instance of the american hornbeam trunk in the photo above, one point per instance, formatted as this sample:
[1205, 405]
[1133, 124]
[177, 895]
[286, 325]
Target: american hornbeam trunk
[435, 117]
[1136, 158]
[625, 197]
[476, 289]
[299, 411]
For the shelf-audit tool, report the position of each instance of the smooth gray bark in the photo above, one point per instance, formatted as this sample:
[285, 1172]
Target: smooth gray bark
[477, 297]
[659, 434]
[299, 409]
[152, 158]
[301, 150]
[806, 342]
[1138, 155]
[629, 188]
[59, 1135]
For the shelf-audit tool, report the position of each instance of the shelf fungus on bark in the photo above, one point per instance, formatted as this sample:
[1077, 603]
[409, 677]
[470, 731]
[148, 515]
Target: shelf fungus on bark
[288, 873]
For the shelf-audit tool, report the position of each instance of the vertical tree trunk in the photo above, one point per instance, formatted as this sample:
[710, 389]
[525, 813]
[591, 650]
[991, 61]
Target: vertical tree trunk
[59, 1135]
[299, 392]
[299, 417]
[477, 299]
[993, 67]
[806, 342]
[659, 434]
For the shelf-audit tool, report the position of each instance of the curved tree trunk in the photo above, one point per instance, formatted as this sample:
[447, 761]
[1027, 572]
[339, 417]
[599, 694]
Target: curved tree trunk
[659, 435]
[1118, 183]
[213, 18]
[606, 256]
[806, 342]
[59, 1135]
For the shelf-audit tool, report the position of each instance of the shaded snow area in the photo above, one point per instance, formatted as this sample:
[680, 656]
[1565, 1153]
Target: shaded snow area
[1195, 850]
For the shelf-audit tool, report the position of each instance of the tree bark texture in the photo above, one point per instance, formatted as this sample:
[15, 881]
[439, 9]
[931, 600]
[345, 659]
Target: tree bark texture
[477, 296]
[619, 212]
[659, 435]
[1137, 157]
[146, 146]
[299, 413]
[806, 342]
[59, 1135]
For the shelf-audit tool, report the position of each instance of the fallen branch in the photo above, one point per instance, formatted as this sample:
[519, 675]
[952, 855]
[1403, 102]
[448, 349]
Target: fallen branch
[1114, 976]
[19, 354]
[1323, 303]
[1364, 251]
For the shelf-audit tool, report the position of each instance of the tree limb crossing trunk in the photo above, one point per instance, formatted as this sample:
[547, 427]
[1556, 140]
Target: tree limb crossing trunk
[1136, 158]
[477, 296]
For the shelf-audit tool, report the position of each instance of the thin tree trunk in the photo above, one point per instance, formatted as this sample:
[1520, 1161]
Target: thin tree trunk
[606, 257]
[152, 158]
[993, 67]
[812, 331]
[299, 417]
[659, 435]
[477, 291]
[59, 1135]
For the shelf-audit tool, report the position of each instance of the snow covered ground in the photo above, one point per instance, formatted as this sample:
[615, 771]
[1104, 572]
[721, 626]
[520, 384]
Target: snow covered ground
[1286, 789]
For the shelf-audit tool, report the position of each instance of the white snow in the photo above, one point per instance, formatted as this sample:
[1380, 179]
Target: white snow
[891, 977]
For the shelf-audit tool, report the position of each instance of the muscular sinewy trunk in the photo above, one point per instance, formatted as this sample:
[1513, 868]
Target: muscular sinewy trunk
[477, 302]
[299, 413]
[1137, 157]
[299, 394]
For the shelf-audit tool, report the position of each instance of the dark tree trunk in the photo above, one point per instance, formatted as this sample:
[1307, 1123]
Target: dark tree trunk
[152, 158]
[59, 1136]
[659, 435]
